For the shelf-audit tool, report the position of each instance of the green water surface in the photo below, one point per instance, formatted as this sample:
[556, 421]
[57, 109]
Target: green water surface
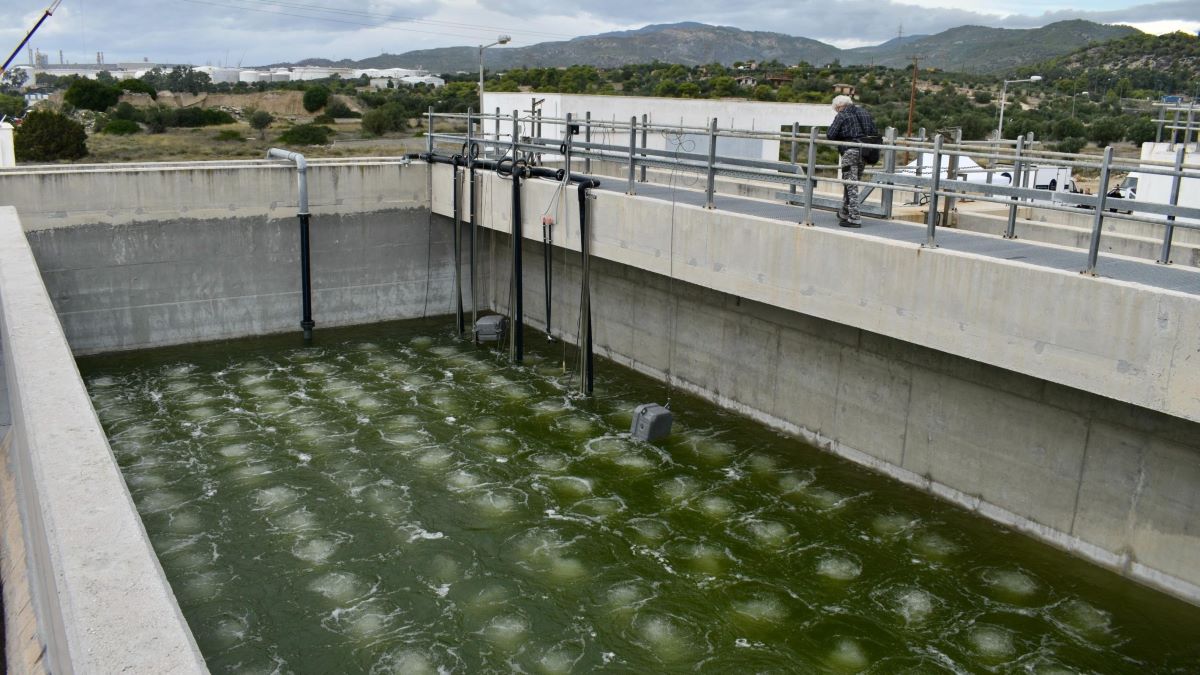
[392, 499]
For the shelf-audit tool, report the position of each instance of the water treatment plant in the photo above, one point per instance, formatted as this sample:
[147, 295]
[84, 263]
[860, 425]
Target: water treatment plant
[907, 448]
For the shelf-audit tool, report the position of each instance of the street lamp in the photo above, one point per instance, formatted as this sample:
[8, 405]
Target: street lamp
[500, 40]
[1003, 99]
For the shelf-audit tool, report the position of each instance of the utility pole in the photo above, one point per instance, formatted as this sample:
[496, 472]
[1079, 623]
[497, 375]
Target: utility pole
[912, 99]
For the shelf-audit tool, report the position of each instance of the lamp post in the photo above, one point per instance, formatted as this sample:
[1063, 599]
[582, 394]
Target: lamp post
[500, 40]
[1073, 102]
[1004, 98]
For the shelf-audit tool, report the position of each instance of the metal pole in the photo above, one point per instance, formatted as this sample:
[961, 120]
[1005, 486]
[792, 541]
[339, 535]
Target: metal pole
[632, 148]
[795, 151]
[711, 187]
[1165, 257]
[1010, 230]
[1003, 100]
[1175, 128]
[1162, 119]
[951, 174]
[587, 138]
[458, 309]
[1098, 222]
[888, 196]
[645, 125]
[429, 135]
[471, 212]
[809, 176]
[931, 224]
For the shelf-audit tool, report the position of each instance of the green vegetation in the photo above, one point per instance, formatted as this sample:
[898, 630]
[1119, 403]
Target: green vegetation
[259, 120]
[121, 127]
[315, 98]
[229, 135]
[12, 106]
[94, 95]
[306, 134]
[47, 136]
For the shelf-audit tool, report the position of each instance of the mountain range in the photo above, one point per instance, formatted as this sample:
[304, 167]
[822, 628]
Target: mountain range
[966, 48]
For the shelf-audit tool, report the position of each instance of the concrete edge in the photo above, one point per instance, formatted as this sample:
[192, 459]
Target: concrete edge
[23, 647]
[102, 601]
[1123, 565]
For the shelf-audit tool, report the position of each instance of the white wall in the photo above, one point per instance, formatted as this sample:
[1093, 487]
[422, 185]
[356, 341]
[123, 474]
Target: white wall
[730, 114]
[8, 156]
[1154, 188]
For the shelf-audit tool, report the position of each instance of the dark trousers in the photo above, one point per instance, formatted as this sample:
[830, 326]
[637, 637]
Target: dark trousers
[852, 169]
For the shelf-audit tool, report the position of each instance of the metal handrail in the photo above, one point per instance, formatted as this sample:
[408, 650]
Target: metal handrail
[801, 176]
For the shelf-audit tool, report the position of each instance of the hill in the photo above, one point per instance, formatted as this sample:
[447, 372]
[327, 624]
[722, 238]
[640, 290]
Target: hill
[966, 48]
[1131, 66]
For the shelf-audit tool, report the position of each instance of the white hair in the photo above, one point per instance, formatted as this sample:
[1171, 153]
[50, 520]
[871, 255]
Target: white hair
[841, 101]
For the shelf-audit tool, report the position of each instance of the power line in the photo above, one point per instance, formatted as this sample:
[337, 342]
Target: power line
[372, 20]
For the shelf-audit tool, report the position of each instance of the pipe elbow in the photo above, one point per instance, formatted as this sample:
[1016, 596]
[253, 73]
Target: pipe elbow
[297, 158]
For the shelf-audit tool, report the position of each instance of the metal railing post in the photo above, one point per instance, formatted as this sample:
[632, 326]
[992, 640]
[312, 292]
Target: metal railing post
[632, 149]
[711, 187]
[1098, 223]
[587, 138]
[935, 184]
[1162, 119]
[795, 151]
[645, 125]
[888, 196]
[497, 128]
[1165, 257]
[516, 134]
[951, 174]
[1010, 230]
[429, 133]
[810, 180]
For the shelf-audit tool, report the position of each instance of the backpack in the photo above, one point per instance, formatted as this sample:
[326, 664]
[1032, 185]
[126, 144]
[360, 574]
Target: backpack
[870, 155]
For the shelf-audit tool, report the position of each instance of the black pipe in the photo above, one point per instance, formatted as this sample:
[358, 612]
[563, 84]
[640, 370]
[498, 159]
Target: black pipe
[471, 241]
[518, 170]
[458, 248]
[547, 234]
[585, 301]
[306, 320]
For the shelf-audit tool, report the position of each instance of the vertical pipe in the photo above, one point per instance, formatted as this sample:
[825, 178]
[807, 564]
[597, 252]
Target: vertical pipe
[711, 187]
[585, 299]
[1162, 119]
[458, 298]
[517, 343]
[306, 321]
[429, 134]
[934, 185]
[516, 137]
[793, 155]
[632, 148]
[1165, 257]
[888, 196]
[810, 179]
[1010, 230]
[587, 138]
[1098, 222]
[645, 124]
[471, 215]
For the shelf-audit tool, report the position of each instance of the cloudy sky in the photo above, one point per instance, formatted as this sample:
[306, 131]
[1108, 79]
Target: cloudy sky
[256, 32]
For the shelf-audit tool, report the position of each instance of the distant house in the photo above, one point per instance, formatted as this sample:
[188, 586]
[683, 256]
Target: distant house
[847, 89]
[778, 80]
[747, 81]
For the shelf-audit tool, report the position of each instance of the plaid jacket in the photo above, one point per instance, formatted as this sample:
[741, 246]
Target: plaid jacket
[852, 123]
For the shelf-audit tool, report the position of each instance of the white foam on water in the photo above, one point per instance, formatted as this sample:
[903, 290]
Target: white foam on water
[314, 550]
[678, 489]
[562, 568]
[202, 413]
[275, 498]
[188, 560]
[435, 458]
[402, 423]
[632, 463]
[625, 598]
[715, 507]
[763, 465]
[203, 586]
[575, 424]
[795, 482]
[914, 605]
[936, 545]
[1009, 582]
[496, 504]
[444, 351]
[340, 587]
[317, 368]
[157, 502]
[891, 524]
[848, 655]
[495, 443]
[102, 381]
[517, 392]
[405, 661]
[300, 520]
[368, 402]
[714, 452]
[463, 480]
[145, 481]
[387, 500]
[599, 507]
[551, 463]
[367, 623]
[230, 631]
[571, 487]
[406, 439]
[838, 567]
[823, 498]
[276, 406]
[663, 636]
[507, 631]
[1083, 619]
[443, 569]
[550, 406]
[185, 523]
[557, 661]
[764, 609]
[992, 642]
[417, 380]
[769, 533]
[649, 530]
[252, 472]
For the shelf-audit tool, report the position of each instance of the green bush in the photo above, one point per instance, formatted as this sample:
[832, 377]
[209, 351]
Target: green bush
[200, 117]
[315, 98]
[306, 134]
[983, 97]
[229, 135]
[388, 117]
[323, 118]
[121, 127]
[92, 94]
[47, 136]
[336, 108]
[12, 106]
[1071, 144]
[138, 87]
[259, 120]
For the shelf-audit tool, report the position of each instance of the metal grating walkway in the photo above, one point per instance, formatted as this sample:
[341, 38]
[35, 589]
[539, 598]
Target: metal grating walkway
[1167, 277]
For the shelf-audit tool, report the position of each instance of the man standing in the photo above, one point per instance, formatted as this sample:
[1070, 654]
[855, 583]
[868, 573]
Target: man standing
[851, 123]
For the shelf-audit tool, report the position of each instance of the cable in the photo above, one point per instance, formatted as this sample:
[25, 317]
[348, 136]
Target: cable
[680, 142]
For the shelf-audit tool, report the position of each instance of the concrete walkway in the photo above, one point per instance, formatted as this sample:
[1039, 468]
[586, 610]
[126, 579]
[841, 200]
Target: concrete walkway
[1167, 277]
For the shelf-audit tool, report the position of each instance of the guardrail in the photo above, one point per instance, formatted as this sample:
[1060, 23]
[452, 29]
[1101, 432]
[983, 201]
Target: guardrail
[1017, 162]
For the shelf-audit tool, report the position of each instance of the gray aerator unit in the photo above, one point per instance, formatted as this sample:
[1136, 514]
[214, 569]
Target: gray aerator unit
[651, 422]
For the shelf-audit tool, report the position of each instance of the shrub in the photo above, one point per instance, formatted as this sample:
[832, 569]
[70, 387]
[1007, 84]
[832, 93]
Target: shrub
[138, 87]
[306, 134]
[92, 94]
[315, 98]
[259, 120]
[200, 117]
[1071, 144]
[337, 108]
[229, 135]
[12, 106]
[388, 117]
[121, 127]
[983, 97]
[47, 136]
[323, 118]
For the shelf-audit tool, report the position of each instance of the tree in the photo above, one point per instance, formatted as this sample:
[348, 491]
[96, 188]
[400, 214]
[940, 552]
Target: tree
[315, 98]
[12, 106]
[259, 121]
[121, 127]
[306, 134]
[47, 136]
[14, 79]
[92, 94]
[1142, 130]
[1106, 131]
